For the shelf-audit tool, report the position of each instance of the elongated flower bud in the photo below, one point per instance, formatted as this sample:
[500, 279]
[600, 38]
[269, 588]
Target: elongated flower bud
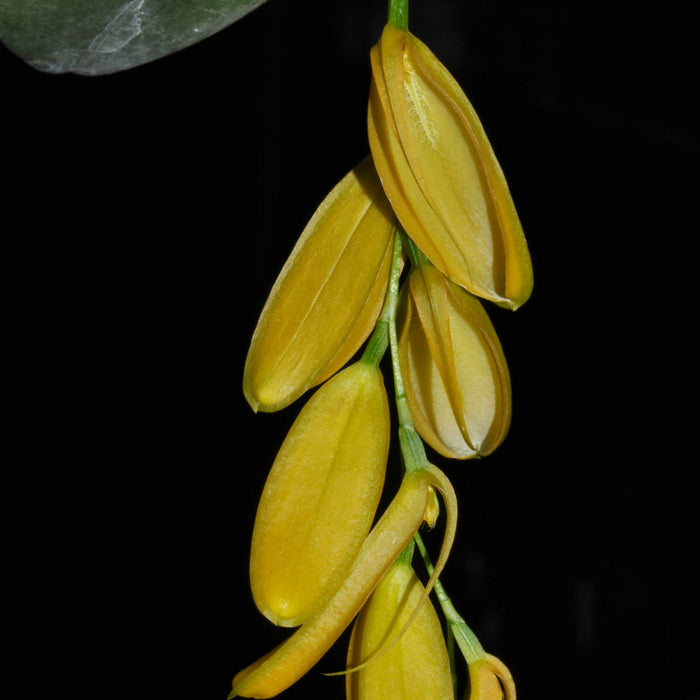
[283, 666]
[441, 174]
[455, 373]
[327, 297]
[417, 665]
[321, 496]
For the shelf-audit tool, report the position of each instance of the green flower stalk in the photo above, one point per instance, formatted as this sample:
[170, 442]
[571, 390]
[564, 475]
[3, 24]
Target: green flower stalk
[489, 677]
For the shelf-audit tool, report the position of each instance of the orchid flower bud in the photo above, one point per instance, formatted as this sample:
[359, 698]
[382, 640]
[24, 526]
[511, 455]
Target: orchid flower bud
[417, 665]
[288, 662]
[489, 679]
[441, 174]
[455, 373]
[321, 496]
[328, 295]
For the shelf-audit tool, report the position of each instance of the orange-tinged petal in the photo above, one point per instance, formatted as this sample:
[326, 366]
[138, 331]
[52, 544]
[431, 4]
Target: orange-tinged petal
[283, 666]
[433, 511]
[321, 496]
[441, 174]
[417, 665]
[328, 295]
[489, 679]
[455, 373]
[427, 399]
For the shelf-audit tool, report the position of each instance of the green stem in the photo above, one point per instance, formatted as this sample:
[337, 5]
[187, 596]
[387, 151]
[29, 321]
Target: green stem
[415, 254]
[412, 447]
[379, 340]
[398, 14]
[466, 639]
[377, 344]
[384, 335]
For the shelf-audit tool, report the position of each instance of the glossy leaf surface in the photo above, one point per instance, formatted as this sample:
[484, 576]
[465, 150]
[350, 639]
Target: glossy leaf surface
[97, 37]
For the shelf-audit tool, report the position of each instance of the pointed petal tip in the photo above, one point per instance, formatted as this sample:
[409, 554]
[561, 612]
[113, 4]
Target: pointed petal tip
[515, 303]
[252, 401]
[263, 400]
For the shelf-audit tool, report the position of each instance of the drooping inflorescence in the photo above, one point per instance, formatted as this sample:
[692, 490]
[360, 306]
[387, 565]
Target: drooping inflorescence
[399, 255]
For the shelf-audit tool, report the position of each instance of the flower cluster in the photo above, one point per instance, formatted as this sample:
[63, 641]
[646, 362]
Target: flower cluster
[399, 254]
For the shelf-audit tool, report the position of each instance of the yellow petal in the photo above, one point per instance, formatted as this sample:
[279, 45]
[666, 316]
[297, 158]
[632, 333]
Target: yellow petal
[455, 373]
[282, 667]
[490, 679]
[427, 399]
[327, 297]
[417, 666]
[433, 511]
[441, 174]
[321, 496]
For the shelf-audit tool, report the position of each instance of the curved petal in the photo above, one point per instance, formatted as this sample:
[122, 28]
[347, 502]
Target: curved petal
[282, 667]
[490, 679]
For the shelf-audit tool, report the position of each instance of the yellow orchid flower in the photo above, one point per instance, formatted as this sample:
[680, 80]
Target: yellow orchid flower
[441, 174]
[321, 495]
[489, 679]
[283, 666]
[417, 665]
[328, 295]
[455, 373]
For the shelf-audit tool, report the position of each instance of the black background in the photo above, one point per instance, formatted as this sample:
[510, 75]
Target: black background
[147, 216]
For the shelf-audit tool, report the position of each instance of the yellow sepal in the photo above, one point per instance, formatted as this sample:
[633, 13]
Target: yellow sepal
[417, 665]
[455, 373]
[440, 173]
[328, 296]
[321, 496]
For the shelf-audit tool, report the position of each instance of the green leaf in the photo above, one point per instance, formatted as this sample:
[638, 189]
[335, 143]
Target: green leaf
[97, 37]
